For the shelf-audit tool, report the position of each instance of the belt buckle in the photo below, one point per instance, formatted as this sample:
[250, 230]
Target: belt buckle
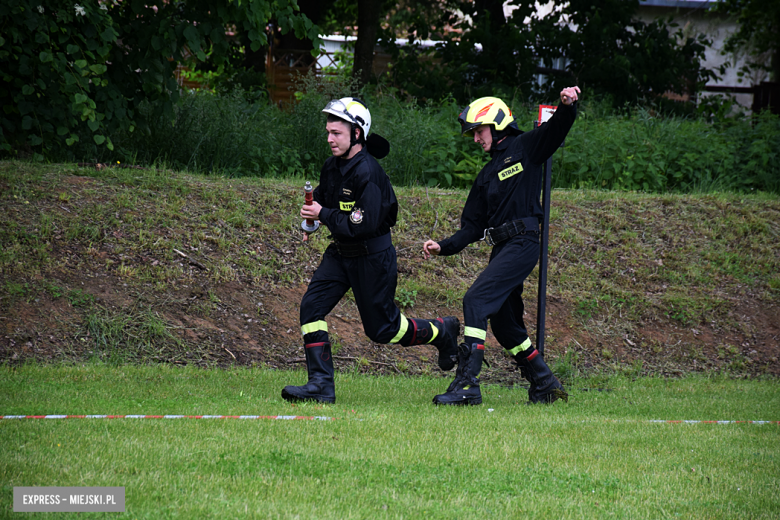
[525, 228]
[352, 250]
[488, 238]
[342, 252]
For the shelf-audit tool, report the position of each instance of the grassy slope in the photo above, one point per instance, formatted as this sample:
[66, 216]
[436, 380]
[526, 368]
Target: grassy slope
[92, 266]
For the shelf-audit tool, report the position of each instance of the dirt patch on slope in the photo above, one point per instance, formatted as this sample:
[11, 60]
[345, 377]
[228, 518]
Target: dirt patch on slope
[239, 324]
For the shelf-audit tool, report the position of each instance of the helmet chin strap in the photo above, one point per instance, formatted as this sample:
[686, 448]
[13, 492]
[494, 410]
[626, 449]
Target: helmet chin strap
[352, 141]
[497, 136]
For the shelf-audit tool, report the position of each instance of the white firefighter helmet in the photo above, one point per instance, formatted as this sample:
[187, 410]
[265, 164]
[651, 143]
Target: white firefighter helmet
[351, 110]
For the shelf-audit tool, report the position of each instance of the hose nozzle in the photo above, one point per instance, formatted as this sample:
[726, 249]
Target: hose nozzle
[309, 225]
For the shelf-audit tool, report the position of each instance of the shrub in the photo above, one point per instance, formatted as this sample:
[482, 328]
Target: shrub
[71, 71]
[656, 153]
[637, 149]
[52, 62]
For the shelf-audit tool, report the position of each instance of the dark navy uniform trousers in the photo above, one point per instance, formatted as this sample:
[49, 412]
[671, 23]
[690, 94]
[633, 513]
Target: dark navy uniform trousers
[373, 279]
[497, 294]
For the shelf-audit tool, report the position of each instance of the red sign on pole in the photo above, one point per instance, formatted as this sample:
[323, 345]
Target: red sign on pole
[545, 113]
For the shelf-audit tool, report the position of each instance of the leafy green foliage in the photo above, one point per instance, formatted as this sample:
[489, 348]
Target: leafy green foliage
[657, 154]
[633, 150]
[457, 66]
[208, 132]
[612, 54]
[71, 72]
[758, 33]
[602, 47]
[406, 298]
[53, 65]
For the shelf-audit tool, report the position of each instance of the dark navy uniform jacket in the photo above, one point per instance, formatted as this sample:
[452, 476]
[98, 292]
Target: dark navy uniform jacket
[357, 199]
[509, 186]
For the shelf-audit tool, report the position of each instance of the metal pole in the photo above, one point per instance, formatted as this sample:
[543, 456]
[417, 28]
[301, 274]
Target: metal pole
[542, 298]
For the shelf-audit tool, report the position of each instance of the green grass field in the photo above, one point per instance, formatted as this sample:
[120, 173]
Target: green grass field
[389, 453]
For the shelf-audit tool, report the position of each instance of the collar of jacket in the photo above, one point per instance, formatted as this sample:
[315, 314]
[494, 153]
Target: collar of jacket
[346, 165]
[502, 145]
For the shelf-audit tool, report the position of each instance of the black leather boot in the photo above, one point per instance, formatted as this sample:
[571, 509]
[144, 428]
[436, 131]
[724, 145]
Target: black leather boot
[463, 357]
[446, 340]
[465, 388]
[319, 363]
[545, 387]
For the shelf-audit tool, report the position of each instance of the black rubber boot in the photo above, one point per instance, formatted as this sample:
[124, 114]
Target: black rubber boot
[525, 375]
[447, 341]
[319, 363]
[463, 358]
[465, 388]
[545, 387]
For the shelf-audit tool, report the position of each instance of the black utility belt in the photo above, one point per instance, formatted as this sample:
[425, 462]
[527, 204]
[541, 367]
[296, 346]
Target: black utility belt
[523, 226]
[367, 247]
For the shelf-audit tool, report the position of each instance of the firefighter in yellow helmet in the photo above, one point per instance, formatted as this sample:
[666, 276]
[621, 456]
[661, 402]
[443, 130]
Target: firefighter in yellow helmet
[503, 209]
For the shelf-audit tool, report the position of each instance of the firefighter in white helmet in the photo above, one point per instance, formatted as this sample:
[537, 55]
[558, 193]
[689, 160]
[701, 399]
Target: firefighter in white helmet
[503, 208]
[357, 204]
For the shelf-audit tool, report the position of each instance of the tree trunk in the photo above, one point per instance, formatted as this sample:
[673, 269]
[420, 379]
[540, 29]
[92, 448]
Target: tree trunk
[489, 16]
[369, 12]
[495, 12]
[254, 60]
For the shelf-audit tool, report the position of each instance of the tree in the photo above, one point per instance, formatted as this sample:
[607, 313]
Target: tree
[758, 33]
[381, 22]
[481, 52]
[610, 52]
[344, 15]
[369, 12]
[484, 52]
[487, 53]
[71, 71]
[53, 66]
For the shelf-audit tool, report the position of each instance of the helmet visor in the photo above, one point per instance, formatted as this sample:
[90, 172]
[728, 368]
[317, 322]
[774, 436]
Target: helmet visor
[339, 109]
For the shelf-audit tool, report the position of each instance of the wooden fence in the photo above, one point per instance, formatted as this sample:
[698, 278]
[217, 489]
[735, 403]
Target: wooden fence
[284, 65]
[766, 95]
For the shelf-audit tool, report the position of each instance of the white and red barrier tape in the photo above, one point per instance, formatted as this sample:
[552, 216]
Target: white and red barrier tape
[302, 418]
[282, 417]
[712, 422]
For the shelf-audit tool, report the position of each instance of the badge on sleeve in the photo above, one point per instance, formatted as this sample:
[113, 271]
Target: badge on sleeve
[356, 217]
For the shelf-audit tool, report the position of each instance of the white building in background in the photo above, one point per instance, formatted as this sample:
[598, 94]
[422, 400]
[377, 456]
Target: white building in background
[336, 43]
[693, 17]
[697, 17]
